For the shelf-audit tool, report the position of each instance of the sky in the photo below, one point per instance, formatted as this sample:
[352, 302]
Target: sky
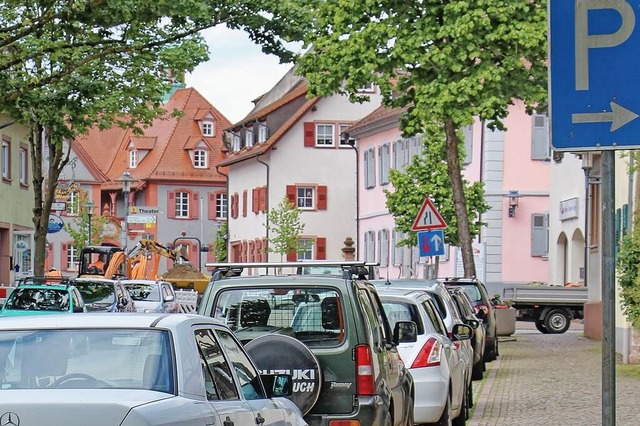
[237, 72]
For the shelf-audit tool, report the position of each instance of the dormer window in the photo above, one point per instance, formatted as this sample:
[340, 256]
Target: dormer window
[200, 159]
[207, 128]
[133, 158]
[248, 137]
[237, 142]
[263, 133]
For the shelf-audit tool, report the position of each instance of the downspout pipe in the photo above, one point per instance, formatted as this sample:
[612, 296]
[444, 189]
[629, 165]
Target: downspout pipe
[352, 144]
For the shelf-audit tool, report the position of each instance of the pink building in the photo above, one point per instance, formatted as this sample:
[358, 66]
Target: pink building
[515, 168]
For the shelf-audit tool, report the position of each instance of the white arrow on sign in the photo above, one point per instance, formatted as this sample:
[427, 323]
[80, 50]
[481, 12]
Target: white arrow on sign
[619, 116]
[436, 241]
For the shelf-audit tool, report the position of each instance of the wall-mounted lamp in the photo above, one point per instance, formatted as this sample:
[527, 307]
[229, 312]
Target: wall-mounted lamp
[513, 202]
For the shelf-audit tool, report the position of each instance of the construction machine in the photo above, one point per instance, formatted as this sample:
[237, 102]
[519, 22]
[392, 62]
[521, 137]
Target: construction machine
[141, 262]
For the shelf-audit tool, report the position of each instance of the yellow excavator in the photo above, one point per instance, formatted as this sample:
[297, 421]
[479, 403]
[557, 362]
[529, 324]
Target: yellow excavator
[141, 262]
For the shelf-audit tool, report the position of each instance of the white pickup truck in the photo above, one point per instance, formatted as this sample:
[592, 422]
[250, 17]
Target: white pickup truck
[551, 307]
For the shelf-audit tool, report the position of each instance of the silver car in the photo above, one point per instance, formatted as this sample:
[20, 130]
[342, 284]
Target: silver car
[137, 369]
[152, 296]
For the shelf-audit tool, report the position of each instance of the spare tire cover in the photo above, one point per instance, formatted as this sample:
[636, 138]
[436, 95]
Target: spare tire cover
[281, 354]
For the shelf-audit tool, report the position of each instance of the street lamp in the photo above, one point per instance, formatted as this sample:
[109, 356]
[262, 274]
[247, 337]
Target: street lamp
[126, 180]
[89, 206]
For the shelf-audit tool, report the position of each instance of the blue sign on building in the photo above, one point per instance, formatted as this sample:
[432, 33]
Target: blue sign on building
[593, 74]
[431, 243]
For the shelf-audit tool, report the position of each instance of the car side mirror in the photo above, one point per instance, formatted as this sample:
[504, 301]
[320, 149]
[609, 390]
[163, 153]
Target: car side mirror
[473, 323]
[461, 332]
[169, 298]
[405, 332]
[277, 384]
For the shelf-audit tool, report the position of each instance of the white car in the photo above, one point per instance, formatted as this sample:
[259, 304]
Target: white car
[152, 295]
[436, 361]
[136, 369]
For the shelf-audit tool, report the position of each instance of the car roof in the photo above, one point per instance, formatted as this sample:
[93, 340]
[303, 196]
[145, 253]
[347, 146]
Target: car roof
[406, 293]
[56, 286]
[95, 279]
[101, 320]
[141, 281]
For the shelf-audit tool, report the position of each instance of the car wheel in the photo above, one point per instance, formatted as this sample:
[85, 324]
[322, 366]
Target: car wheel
[461, 420]
[541, 328]
[557, 321]
[409, 416]
[470, 396]
[445, 418]
[478, 370]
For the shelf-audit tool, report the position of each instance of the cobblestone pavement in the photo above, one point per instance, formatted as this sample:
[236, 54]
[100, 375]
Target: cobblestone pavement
[552, 379]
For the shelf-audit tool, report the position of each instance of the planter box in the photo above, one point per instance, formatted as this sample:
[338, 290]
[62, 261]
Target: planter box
[505, 321]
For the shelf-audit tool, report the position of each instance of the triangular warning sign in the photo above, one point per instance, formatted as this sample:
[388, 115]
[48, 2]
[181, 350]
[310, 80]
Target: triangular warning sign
[428, 217]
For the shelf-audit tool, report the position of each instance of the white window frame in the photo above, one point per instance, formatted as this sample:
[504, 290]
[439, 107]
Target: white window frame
[208, 128]
[367, 88]
[345, 142]
[263, 133]
[182, 204]
[306, 197]
[24, 166]
[221, 206]
[237, 142]
[6, 160]
[133, 158]
[327, 136]
[72, 258]
[248, 137]
[306, 249]
[200, 160]
[73, 199]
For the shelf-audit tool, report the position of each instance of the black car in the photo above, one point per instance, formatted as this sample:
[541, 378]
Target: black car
[467, 312]
[478, 294]
[104, 295]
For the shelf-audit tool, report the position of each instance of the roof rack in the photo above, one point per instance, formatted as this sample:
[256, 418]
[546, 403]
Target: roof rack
[43, 280]
[352, 268]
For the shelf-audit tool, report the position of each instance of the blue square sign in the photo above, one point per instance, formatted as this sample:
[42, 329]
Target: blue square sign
[431, 243]
[594, 74]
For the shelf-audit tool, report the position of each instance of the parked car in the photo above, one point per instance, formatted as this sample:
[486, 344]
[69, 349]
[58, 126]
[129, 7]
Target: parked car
[104, 295]
[478, 294]
[465, 307]
[152, 296]
[138, 369]
[43, 299]
[448, 312]
[434, 360]
[329, 329]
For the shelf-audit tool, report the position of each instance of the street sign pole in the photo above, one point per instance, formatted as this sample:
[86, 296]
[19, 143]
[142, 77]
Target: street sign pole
[608, 290]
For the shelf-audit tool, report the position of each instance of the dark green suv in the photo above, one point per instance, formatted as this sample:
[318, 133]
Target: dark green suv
[328, 330]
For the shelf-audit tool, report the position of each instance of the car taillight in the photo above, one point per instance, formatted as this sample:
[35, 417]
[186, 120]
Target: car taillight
[429, 355]
[364, 371]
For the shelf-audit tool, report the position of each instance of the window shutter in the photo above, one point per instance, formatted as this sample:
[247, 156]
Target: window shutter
[244, 203]
[171, 204]
[243, 252]
[384, 248]
[195, 205]
[262, 194]
[291, 194]
[539, 234]
[252, 253]
[321, 248]
[322, 197]
[468, 144]
[194, 255]
[292, 256]
[540, 138]
[64, 266]
[263, 249]
[234, 206]
[254, 200]
[366, 169]
[211, 205]
[309, 134]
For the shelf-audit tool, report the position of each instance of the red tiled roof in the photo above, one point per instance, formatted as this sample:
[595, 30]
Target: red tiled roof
[143, 142]
[168, 160]
[378, 115]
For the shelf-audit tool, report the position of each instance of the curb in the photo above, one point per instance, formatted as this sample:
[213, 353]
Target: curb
[484, 394]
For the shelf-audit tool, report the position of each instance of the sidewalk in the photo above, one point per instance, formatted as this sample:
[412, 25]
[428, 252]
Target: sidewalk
[552, 379]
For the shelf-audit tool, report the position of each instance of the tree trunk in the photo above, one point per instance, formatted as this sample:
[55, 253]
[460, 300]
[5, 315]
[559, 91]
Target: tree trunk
[44, 191]
[459, 201]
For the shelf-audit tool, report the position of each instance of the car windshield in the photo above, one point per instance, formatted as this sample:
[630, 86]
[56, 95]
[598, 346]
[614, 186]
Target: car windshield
[144, 292]
[312, 315]
[96, 292]
[38, 299]
[86, 359]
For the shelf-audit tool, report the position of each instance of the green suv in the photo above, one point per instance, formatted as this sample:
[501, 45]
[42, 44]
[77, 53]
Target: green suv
[328, 330]
[41, 299]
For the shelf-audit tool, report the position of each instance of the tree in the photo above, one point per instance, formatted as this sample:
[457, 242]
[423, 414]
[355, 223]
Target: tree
[67, 67]
[447, 62]
[78, 229]
[220, 245]
[427, 174]
[284, 221]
